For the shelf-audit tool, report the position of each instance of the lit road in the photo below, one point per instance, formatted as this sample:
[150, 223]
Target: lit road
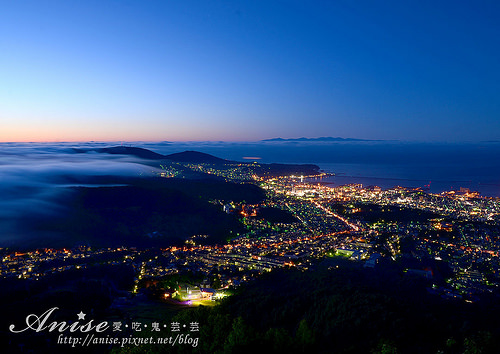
[351, 225]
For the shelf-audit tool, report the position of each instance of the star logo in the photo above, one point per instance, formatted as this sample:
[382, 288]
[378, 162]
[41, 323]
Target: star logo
[81, 315]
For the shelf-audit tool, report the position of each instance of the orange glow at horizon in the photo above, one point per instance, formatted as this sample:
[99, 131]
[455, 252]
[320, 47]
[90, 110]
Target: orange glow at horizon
[47, 133]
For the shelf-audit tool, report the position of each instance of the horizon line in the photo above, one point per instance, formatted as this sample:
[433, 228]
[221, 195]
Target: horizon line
[267, 140]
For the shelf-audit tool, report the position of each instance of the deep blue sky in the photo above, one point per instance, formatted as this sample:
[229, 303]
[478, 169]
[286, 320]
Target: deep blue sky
[249, 70]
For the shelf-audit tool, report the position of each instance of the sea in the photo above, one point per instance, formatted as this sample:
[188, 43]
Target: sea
[435, 167]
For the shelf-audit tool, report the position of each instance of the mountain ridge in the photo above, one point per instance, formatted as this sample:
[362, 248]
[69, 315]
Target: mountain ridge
[185, 156]
[320, 139]
[196, 157]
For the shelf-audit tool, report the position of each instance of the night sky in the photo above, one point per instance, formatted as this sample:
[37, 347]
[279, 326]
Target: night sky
[249, 70]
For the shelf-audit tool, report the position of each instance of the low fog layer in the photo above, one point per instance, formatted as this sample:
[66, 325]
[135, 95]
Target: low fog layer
[34, 177]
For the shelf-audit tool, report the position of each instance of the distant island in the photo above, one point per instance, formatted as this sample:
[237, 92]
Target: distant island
[322, 139]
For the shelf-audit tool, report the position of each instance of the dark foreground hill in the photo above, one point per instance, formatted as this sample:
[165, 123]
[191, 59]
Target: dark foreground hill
[349, 309]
